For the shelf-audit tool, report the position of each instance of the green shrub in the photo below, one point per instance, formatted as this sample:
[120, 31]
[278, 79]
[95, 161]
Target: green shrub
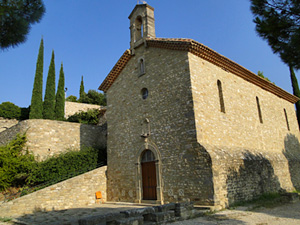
[18, 167]
[71, 98]
[15, 163]
[67, 164]
[10, 111]
[89, 117]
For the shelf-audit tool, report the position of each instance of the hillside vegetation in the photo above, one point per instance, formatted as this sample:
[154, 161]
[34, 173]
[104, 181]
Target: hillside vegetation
[18, 168]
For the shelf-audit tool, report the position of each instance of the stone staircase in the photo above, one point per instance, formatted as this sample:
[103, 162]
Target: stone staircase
[154, 215]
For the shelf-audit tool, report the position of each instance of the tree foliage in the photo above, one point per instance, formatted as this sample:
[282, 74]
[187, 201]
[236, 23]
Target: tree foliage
[296, 92]
[36, 110]
[15, 163]
[18, 167]
[9, 110]
[278, 22]
[93, 97]
[81, 90]
[71, 98]
[60, 96]
[49, 101]
[89, 117]
[261, 74]
[16, 17]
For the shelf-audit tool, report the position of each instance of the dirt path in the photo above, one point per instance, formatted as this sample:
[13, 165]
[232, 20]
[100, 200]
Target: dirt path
[287, 214]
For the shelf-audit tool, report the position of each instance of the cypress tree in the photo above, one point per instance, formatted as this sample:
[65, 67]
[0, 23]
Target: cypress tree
[296, 92]
[60, 96]
[81, 90]
[36, 109]
[49, 100]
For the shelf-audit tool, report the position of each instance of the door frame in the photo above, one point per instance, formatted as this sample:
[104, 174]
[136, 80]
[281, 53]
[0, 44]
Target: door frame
[139, 181]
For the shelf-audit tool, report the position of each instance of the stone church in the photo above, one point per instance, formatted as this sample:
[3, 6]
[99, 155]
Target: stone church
[188, 124]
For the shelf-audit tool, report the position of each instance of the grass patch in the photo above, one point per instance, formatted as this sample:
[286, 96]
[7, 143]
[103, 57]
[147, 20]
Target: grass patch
[5, 219]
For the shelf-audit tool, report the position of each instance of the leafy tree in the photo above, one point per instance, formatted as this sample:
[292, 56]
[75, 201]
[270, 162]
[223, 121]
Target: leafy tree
[49, 101]
[81, 91]
[10, 111]
[71, 98]
[36, 110]
[60, 96]
[16, 17]
[96, 97]
[278, 22]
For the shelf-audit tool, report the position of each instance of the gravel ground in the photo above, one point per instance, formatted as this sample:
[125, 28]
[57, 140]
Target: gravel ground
[287, 214]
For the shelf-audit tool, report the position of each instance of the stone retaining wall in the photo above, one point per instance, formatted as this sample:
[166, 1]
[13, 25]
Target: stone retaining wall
[7, 123]
[74, 107]
[76, 192]
[48, 137]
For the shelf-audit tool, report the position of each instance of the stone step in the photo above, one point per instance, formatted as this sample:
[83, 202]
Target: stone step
[128, 221]
[168, 216]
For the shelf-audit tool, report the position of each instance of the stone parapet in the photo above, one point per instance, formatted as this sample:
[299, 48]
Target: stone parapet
[74, 107]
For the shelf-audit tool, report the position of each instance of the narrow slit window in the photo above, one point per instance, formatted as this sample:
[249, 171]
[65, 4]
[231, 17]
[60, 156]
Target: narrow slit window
[286, 119]
[259, 110]
[142, 66]
[221, 98]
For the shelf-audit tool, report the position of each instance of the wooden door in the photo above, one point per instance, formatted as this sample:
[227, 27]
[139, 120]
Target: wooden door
[149, 180]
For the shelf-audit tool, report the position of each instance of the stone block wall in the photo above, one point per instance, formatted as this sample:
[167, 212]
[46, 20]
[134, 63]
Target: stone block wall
[7, 123]
[240, 125]
[48, 137]
[76, 192]
[249, 157]
[74, 107]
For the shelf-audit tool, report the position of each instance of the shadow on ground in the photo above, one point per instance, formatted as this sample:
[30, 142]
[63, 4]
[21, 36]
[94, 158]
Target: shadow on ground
[68, 216]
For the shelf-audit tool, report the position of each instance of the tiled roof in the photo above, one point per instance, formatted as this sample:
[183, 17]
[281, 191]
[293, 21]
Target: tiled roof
[207, 54]
[116, 70]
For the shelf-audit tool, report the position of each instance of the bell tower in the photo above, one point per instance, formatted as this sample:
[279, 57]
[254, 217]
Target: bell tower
[141, 25]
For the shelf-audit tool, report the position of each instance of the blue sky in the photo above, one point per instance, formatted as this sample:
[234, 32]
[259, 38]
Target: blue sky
[89, 36]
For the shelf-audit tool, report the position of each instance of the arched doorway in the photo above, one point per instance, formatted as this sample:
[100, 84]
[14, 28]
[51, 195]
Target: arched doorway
[148, 175]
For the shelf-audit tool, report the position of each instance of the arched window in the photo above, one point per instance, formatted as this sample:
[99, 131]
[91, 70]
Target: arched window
[259, 110]
[148, 156]
[144, 93]
[286, 119]
[139, 28]
[221, 98]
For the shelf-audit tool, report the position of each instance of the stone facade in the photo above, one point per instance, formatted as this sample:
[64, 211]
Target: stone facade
[219, 133]
[74, 107]
[46, 138]
[64, 195]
